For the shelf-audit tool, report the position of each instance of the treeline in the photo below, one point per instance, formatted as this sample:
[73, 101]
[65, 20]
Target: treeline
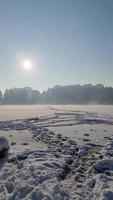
[72, 94]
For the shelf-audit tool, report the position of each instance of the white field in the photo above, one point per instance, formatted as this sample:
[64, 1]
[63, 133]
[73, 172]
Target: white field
[12, 112]
[36, 176]
[75, 132]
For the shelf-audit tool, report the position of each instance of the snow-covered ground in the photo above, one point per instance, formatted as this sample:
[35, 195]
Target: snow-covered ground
[57, 152]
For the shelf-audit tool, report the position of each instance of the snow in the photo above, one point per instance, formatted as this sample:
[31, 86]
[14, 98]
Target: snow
[57, 152]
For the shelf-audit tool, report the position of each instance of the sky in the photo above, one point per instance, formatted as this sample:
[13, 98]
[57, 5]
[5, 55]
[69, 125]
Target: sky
[66, 41]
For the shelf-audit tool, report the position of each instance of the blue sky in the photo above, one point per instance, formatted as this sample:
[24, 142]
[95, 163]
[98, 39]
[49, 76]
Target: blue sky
[68, 42]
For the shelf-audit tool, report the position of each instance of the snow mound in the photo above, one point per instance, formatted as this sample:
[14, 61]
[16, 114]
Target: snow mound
[104, 165]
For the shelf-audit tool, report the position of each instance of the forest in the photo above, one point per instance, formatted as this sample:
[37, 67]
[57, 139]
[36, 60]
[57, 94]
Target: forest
[69, 94]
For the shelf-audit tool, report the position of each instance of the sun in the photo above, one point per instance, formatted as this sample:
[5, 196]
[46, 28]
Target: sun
[27, 64]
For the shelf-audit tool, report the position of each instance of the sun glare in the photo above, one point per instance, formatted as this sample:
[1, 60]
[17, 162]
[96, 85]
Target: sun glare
[27, 65]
